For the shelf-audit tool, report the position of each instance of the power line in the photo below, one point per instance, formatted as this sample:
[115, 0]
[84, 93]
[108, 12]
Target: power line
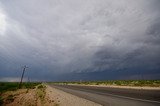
[24, 68]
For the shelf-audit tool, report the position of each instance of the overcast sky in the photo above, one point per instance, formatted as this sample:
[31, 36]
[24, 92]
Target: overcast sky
[55, 38]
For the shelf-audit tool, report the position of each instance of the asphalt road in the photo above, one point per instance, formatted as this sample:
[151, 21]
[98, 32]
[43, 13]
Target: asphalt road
[114, 96]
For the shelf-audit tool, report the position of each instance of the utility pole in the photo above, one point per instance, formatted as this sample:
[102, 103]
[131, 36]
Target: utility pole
[24, 68]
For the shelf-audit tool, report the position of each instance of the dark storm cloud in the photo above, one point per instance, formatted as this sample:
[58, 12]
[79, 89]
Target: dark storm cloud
[58, 37]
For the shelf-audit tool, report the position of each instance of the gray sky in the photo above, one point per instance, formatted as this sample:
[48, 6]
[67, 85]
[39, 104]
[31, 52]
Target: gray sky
[55, 38]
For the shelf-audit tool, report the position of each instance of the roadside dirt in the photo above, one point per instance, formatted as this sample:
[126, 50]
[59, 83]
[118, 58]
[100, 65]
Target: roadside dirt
[43, 96]
[65, 99]
[22, 97]
[27, 97]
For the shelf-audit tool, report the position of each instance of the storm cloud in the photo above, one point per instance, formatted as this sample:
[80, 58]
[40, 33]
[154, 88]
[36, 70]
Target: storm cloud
[55, 38]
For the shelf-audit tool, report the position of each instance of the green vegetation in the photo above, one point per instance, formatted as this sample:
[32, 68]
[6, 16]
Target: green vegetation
[10, 99]
[56, 104]
[150, 83]
[41, 91]
[8, 86]
[12, 86]
[1, 100]
[30, 85]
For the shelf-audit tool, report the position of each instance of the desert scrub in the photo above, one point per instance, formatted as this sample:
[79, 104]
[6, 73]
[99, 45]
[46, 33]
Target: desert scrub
[1, 101]
[10, 99]
[56, 104]
[7, 100]
[13, 86]
[41, 92]
[150, 83]
[8, 86]
[30, 85]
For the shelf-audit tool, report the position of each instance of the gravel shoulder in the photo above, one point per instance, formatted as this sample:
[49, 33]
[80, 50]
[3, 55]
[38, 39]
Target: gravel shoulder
[66, 99]
[42, 95]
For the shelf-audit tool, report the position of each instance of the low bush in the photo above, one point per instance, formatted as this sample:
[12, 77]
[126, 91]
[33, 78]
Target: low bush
[1, 100]
[151, 83]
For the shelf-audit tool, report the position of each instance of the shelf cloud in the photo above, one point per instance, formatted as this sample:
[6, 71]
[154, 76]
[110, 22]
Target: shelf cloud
[58, 37]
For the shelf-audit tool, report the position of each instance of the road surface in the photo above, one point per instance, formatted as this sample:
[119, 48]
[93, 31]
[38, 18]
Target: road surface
[114, 96]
